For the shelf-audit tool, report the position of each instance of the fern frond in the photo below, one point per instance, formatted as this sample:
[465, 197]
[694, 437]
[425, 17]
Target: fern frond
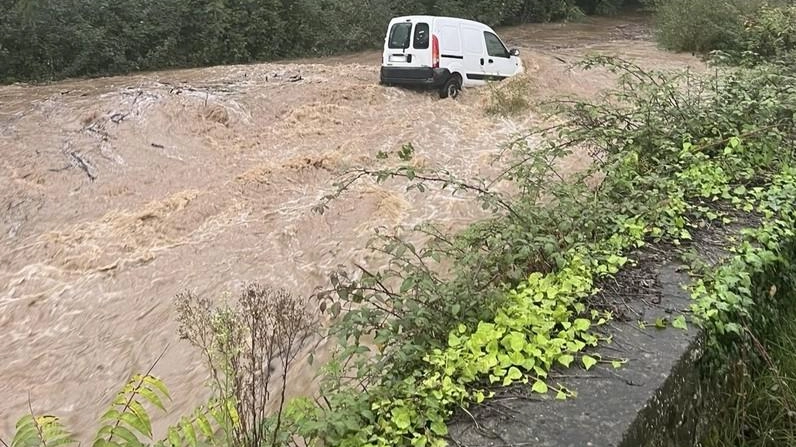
[127, 420]
[41, 431]
[199, 429]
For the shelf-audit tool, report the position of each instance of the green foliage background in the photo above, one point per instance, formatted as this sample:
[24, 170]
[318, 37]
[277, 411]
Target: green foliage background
[53, 39]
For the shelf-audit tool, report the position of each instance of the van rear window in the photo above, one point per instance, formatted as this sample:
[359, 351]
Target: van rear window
[399, 35]
[421, 36]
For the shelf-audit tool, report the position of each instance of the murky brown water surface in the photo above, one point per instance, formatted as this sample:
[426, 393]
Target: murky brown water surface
[117, 193]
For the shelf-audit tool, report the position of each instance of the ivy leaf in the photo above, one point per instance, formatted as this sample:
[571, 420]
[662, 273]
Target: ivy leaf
[439, 428]
[680, 323]
[660, 323]
[588, 362]
[566, 360]
[581, 325]
[420, 441]
[539, 387]
[401, 418]
[513, 375]
[453, 340]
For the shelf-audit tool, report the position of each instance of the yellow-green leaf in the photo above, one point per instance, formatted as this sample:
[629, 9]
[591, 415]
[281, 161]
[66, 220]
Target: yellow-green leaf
[233, 413]
[174, 437]
[190, 434]
[121, 432]
[439, 428]
[512, 375]
[204, 426]
[142, 415]
[566, 360]
[401, 418]
[135, 422]
[151, 397]
[588, 362]
[540, 387]
[157, 383]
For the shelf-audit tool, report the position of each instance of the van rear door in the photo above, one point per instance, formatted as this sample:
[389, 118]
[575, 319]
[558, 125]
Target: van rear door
[408, 44]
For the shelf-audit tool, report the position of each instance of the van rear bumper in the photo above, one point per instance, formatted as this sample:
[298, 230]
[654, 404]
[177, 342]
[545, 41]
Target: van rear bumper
[432, 77]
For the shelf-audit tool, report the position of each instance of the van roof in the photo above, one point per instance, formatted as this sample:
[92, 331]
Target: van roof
[430, 18]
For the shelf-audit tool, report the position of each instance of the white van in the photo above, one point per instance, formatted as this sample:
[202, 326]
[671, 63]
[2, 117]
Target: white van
[445, 53]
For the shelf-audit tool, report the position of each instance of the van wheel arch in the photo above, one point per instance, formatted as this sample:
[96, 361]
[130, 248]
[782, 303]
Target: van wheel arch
[452, 87]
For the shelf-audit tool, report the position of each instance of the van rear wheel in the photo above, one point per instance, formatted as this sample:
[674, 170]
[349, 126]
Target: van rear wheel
[451, 88]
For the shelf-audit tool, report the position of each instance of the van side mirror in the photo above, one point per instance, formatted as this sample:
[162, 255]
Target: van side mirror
[514, 52]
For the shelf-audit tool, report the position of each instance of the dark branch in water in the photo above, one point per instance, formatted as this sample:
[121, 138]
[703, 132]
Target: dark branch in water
[82, 165]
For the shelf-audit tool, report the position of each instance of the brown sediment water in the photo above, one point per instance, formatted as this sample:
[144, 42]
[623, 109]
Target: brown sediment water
[118, 193]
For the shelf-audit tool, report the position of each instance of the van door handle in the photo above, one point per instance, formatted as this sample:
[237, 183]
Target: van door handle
[482, 61]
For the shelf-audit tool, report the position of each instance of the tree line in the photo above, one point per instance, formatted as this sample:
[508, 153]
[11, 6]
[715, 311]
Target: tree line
[53, 39]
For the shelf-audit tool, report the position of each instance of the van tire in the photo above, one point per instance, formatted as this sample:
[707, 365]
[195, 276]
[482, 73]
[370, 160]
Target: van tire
[452, 87]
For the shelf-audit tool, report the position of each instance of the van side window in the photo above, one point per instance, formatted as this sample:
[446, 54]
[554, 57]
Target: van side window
[399, 35]
[494, 47]
[421, 36]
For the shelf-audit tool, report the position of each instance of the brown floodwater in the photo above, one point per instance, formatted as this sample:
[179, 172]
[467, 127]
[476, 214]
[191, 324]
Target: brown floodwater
[118, 193]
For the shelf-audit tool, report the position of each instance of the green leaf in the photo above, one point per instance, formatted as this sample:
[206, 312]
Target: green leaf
[57, 442]
[660, 323]
[174, 437]
[157, 383]
[588, 362]
[151, 397]
[122, 432]
[232, 412]
[26, 433]
[204, 426]
[680, 323]
[401, 418]
[581, 324]
[407, 284]
[110, 416]
[439, 428]
[142, 415]
[190, 434]
[512, 375]
[453, 340]
[539, 387]
[136, 423]
[420, 441]
[566, 360]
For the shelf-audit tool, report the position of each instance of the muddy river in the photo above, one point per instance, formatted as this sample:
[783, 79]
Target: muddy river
[118, 193]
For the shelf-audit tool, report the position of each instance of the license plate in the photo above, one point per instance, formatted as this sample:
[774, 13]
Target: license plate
[397, 58]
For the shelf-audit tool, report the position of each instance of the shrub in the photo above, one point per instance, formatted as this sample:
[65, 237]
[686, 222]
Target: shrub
[702, 25]
[510, 97]
[771, 33]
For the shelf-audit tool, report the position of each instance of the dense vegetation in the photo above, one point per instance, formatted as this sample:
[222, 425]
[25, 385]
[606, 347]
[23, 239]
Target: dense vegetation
[511, 298]
[53, 39]
[728, 25]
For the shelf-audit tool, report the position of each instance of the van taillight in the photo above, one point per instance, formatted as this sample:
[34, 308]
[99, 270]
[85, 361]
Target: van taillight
[434, 51]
